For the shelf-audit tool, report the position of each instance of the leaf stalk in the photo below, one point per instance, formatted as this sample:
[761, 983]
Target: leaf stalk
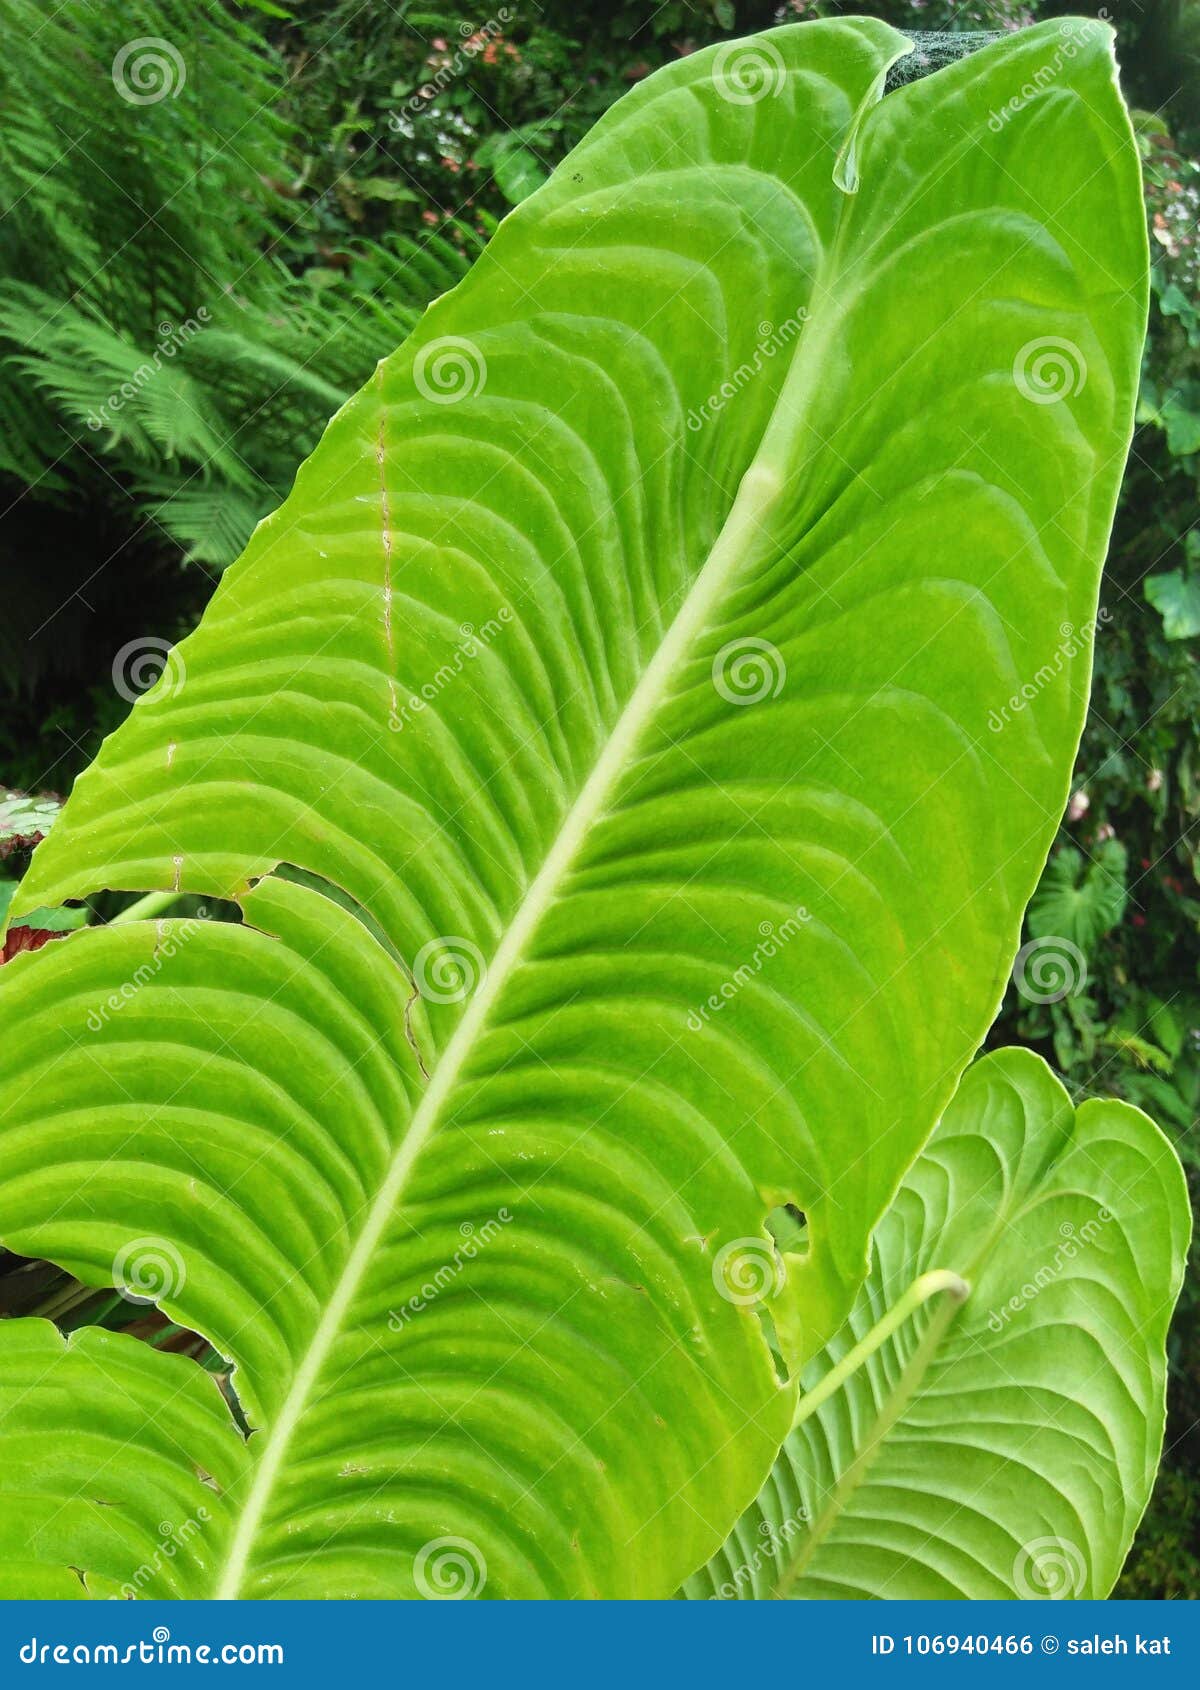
[937, 1282]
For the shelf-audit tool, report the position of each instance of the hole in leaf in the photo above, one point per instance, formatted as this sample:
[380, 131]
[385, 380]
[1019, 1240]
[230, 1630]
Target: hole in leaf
[344, 900]
[788, 1226]
[767, 1321]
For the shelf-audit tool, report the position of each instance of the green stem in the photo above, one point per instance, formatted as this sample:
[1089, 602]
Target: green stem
[933, 1284]
[63, 1301]
[919, 1292]
[152, 904]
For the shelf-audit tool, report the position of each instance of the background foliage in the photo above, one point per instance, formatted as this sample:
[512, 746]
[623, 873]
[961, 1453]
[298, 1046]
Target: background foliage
[193, 282]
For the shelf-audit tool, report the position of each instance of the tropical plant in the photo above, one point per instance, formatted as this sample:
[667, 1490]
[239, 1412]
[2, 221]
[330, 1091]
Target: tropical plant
[596, 747]
[166, 343]
[170, 347]
[114, 151]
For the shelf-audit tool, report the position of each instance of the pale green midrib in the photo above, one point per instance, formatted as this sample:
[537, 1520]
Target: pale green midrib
[928, 1285]
[909, 1383]
[758, 490]
[911, 1379]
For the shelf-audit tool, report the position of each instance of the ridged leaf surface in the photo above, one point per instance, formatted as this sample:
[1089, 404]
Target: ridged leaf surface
[631, 639]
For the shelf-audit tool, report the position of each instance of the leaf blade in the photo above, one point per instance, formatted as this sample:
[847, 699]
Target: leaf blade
[575, 796]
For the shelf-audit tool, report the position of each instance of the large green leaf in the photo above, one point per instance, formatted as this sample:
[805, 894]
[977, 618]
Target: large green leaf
[1004, 1445]
[635, 639]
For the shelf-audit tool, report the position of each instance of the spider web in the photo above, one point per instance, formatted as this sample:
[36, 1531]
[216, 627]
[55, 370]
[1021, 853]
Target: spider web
[931, 49]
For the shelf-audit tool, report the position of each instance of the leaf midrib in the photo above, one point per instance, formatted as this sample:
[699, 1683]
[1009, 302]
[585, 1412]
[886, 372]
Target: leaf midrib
[760, 487]
[757, 490]
[908, 1386]
[890, 1411]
